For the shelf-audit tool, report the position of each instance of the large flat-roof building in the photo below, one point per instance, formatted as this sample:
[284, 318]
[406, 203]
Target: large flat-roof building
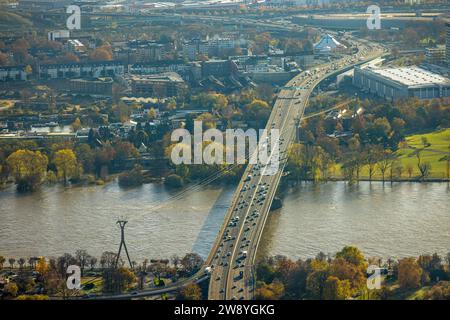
[401, 83]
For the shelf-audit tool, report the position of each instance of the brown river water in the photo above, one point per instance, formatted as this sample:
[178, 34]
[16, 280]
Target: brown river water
[403, 219]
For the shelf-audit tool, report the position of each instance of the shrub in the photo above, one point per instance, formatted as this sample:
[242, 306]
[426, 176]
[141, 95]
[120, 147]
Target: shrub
[174, 181]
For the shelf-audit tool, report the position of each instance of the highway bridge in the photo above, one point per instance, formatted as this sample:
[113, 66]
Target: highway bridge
[232, 257]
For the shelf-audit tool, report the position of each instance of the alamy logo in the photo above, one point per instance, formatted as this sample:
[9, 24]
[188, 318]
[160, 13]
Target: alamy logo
[374, 19]
[374, 280]
[74, 20]
[209, 147]
[74, 280]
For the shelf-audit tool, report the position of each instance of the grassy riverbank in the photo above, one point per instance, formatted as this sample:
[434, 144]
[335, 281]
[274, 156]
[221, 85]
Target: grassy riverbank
[438, 147]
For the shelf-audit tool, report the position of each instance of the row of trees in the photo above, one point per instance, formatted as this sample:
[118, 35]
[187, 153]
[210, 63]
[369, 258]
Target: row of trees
[50, 274]
[32, 164]
[29, 168]
[344, 276]
[376, 136]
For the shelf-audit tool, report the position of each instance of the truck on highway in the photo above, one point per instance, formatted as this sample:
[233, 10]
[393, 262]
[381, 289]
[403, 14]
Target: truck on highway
[208, 270]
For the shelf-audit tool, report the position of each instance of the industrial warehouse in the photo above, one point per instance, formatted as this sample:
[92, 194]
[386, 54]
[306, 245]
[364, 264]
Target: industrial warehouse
[400, 83]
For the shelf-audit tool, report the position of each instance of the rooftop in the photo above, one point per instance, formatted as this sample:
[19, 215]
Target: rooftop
[162, 77]
[411, 76]
[328, 42]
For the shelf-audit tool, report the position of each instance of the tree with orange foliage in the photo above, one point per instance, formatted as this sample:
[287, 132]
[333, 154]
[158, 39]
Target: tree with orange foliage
[102, 53]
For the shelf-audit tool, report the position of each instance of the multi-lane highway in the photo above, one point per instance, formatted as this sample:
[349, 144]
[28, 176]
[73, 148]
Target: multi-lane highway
[233, 255]
[230, 263]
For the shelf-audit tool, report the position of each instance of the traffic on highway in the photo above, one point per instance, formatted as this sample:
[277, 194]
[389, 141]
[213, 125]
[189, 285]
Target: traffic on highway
[231, 268]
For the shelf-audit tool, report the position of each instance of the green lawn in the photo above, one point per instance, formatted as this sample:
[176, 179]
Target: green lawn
[96, 281]
[440, 146]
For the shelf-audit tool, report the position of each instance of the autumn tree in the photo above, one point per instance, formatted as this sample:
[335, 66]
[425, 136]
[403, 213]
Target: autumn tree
[257, 110]
[117, 280]
[272, 291]
[315, 283]
[76, 125]
[191, 291]
[409, 273]
[102, 53]
[28, 168]
[42, 266]
[335, 289]
[66, 164]
[85, 156]
[4, 59]
[265, 92]
[352, 255]
[124, 150]
[11, 289]
[207, 119]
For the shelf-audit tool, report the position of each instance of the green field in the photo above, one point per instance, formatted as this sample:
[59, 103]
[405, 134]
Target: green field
[439, 147]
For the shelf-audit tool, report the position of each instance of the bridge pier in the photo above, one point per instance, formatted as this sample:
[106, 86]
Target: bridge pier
[277, 203]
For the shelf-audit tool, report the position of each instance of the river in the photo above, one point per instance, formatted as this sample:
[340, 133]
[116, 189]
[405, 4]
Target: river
[399, 220]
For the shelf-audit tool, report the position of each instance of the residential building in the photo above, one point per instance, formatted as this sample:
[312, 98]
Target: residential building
[15, 73]
[435, 55]
[140, 51]
[218, 68]
[58, 34]
[168, 84]
[77, 70]
[163, 66]
[98, 86]
[210, 47]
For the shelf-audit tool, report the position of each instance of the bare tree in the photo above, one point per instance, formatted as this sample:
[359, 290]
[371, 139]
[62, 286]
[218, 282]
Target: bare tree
[92, 262]
[410, 170]
[191, 262]
[175, 260]
[385, 163]
[447, 160]
[424, 167]
[108, 259]
[21, 263]
[82, 258]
